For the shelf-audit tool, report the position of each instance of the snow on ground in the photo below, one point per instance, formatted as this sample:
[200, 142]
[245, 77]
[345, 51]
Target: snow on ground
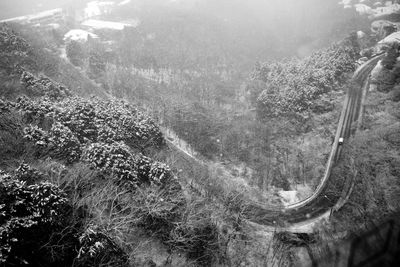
[102, 24]
[363, 9]
[97, 8]
[345, 2]
[288, 197]
[79, 35]
[391, 39]
[124, 2]
[54, 26]
[360, 34]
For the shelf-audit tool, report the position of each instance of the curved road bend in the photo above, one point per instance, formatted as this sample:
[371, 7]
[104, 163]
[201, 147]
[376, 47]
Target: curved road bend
[320, 201]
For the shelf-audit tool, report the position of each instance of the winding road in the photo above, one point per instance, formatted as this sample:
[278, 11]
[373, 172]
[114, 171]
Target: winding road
[321, 202]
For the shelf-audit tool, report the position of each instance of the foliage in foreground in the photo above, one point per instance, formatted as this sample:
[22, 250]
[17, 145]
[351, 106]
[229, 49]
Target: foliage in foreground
[110, 138]
[39, 226]
[29, 216]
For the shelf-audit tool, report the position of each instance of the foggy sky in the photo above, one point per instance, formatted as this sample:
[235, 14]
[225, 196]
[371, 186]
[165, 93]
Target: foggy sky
[303, 22]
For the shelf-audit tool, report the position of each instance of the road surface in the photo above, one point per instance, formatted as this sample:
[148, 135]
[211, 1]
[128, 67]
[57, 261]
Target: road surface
[319, 204]
[321, 201]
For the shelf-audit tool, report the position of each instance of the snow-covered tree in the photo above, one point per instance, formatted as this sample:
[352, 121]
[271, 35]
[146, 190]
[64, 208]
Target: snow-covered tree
[292, 86]
[28, 216]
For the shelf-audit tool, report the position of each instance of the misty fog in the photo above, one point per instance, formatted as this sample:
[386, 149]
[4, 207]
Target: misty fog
[189, 133]
[274, 28]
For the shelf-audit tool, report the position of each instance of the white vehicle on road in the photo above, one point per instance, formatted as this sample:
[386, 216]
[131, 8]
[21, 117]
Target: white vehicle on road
[341, 139]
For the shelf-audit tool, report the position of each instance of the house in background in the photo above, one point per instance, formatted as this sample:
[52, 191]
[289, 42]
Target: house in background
[94, 24]
[41, 18]
[79, 35]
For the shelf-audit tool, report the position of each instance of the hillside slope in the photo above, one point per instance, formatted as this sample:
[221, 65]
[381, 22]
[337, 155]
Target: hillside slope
[80, 172]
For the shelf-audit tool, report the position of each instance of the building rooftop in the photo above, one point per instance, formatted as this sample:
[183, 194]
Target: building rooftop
[97, 8]
[102, 24]
[33, 17]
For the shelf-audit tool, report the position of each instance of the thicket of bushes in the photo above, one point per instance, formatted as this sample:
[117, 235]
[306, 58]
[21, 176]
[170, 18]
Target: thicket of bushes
[95, 180]
[291, 87]
[372, 162]
[29, 217]
[40, 226]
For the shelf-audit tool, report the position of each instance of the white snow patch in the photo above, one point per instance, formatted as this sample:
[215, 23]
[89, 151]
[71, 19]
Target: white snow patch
[391, 39]
[125, 2]
[345, 2]
[388, 3]
[79, 35]
[54, 25]
[363, 9]
[288, 197]
[360, 34]
[97, 8]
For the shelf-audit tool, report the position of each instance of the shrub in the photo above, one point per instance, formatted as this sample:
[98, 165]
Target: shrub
[76, 53]
[144, 166]
[35, 112]
[13, 50]
[115, 159]
[28, 174]
[159, 173]
[372, 163]
[43, 86]
[395, 94]
[196, 234]
[97, 249]
[94, 120]
[12, 143]
[63, 144]
[158, 209]
[129, 124]
[79, 116]
[106, 135]
[29, 216]
[75, 121]
[97, 121]
[59, 142]
[37, 136]
[154, 172]
[5, 106]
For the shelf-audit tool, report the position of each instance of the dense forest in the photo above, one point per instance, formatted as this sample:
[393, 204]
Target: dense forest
[156, 145]
[65, 159]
